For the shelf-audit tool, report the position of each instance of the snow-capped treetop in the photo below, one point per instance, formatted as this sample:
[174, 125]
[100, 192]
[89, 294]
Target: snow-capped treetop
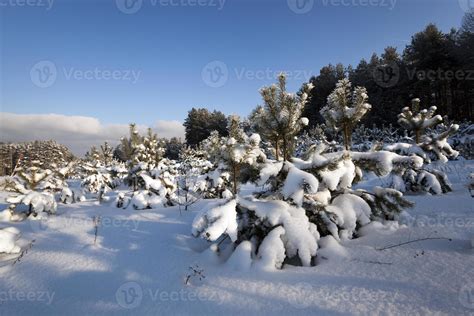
[279, 119]
[235, 152]
[344, 109]
[145, 153]
[38, 177]
[417, 121]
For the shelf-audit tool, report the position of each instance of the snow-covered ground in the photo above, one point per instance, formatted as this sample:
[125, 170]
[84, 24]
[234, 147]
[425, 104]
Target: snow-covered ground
[141, 261]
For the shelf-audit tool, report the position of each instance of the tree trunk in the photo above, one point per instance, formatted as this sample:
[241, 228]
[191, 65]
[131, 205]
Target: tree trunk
[417, 136]
[285, 150]
[234, 177]
[277, 154]
[346, 131]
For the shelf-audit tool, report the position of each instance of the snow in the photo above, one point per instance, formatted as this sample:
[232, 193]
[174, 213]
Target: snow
[339, 178]
[151, 183]
[386, 161]
[149, 252]
[67, 196]
[145, 199]
[272, 250]
[241, 259]
[212, 223]
[297, 183]
[406, 149]
[5, 215]
[429, 182]
[349, 210]
[378, 228]
[255, 139]
[39, 201]
[271, 169]
[331, 249]
[227, 194]
[300, 235]
[8, 238]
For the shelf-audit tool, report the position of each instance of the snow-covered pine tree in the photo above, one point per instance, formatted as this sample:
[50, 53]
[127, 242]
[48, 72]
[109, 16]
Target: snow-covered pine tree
[106, 154]
[34, 186]
[191, 181]
[365, 139]
[418, 121]
[100, 172]
[300, 201]
[96, 177]
[429, 147]
[149, 175]
[315, 136]
[33, 177]
[233, 157]
[145, 154]
[463, 141]
[240, 151]
[92, 155]
[345, 108]
[216, 182]
[14, 155]
[279, 120]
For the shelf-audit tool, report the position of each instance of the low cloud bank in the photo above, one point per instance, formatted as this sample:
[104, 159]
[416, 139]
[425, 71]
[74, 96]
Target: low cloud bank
[79, 133]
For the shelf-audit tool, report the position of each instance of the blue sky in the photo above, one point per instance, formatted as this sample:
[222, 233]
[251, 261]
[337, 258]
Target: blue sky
[168, 46]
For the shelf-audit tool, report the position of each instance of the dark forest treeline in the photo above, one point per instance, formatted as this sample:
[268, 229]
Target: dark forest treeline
[436, 67]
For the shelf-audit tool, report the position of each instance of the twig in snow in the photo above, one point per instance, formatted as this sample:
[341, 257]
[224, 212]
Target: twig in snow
[97, 220]
[412, 241]
[374, 262]
[195, 272]
[24, 252]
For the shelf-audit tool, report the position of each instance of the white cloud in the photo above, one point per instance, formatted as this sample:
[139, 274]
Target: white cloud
[79, 133]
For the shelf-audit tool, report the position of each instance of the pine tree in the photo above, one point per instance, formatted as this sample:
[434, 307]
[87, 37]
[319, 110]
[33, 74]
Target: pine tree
[428, 146]
[96, 177]
[279, 119]
[201, 122]
[106, 154]
[300, 200]
[419, 121]
[191, 185]
[345, 109]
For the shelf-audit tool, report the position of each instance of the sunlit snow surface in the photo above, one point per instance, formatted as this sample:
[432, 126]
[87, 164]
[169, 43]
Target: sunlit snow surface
[141, 260]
